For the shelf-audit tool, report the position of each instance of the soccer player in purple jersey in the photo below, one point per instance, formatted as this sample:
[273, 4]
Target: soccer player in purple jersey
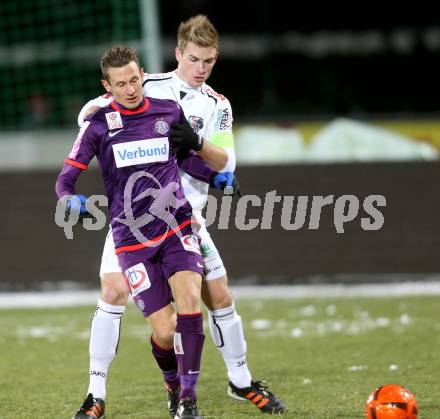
[210, 116]
[157, 249]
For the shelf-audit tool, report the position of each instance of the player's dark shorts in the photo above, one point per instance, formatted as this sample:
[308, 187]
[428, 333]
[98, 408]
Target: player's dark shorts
[148, 269]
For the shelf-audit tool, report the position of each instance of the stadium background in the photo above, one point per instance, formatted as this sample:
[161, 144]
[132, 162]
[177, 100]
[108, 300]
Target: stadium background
[278, 68]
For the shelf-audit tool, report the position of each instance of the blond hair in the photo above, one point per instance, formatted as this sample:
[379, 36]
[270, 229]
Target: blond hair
[118, 56]
[199, 30]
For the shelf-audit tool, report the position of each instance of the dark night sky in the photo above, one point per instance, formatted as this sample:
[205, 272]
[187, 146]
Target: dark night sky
[281, 16]
[304, 59]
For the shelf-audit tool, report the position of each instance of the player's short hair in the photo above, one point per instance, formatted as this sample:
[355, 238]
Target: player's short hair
[118, 56]
[199, 30]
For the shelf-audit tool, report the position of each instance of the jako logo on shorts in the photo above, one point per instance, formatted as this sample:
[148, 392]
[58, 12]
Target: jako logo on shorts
[141, 152]
[137, 279]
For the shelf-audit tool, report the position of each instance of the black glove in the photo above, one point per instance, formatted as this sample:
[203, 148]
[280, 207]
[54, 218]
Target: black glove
[183, 137]
[227, 182]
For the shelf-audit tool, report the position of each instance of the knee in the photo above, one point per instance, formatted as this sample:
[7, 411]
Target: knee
[188, 302]
[186, 287]
[163, 335]
[217, 294]
[222, 300]
[114, 289]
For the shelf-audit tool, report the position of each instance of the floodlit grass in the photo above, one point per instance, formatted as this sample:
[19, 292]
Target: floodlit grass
[322, 356]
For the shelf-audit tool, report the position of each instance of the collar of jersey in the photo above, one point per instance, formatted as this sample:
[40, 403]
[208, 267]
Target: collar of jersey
[124, 111]
[182, 85]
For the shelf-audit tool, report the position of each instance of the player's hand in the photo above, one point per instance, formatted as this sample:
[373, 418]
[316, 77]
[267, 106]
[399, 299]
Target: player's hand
[183, 137]
[226, 182]
[78, 203]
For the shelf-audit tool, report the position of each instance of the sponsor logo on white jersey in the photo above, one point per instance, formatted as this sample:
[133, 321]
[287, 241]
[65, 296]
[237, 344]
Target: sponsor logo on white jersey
[224, 120]
[190, 243]
[137, 279]
[206, 249]
[114, 120]
[141, 152]
[210, 91]
[160, 76]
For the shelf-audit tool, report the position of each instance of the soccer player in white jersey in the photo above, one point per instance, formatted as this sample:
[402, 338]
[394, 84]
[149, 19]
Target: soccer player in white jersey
[209, 133]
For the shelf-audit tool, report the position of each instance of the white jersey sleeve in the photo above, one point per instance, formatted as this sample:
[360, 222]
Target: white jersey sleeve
[100, 101]
[220, 130]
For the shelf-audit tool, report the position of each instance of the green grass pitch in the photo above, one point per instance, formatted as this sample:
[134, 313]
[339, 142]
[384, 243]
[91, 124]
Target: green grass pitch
[322, 356]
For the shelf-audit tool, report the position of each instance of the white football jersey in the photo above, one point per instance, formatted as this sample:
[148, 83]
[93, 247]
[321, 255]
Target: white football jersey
[208, 112]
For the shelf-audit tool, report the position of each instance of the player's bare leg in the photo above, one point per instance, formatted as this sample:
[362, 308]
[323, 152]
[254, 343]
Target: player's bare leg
[227, 332]
[114, 289]
[188, 338]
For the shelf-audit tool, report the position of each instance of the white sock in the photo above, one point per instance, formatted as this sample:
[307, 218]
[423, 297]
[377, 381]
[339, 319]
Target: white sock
[227, 333]
[104, 340]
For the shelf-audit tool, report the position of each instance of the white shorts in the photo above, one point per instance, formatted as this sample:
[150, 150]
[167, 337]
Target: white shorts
[212, 261]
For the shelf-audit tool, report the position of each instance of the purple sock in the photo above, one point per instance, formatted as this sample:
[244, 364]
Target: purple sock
[188, 345]
[166, 359]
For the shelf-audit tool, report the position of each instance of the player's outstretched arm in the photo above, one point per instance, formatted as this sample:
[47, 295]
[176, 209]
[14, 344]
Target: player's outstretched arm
[217, 157]
[219, 151]
[183, 137]
[192, 164]
[83, 150]
[65, 185]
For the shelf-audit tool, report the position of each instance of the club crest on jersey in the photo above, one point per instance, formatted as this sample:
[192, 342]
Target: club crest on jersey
[161, 127]
[137, 279]
[140, 303]
[196, 123]
[113, 120]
